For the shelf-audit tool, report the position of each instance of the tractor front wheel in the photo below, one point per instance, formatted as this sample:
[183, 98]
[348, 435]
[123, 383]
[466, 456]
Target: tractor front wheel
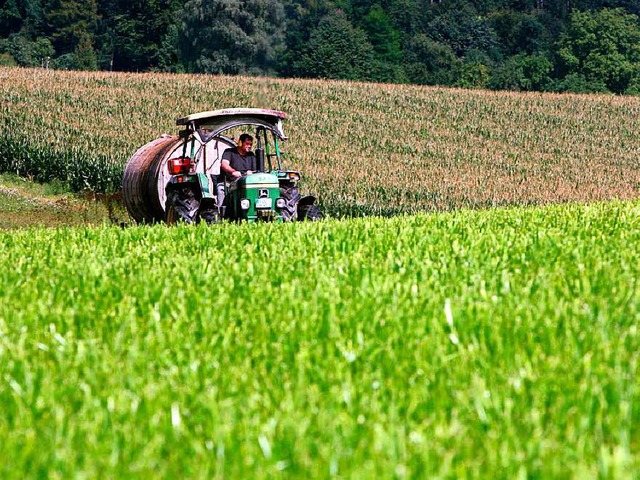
[209, 210]
[209, 215]
[310, 213]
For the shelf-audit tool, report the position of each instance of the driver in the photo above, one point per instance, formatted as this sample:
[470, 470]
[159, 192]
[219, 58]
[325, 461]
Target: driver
[239, 161]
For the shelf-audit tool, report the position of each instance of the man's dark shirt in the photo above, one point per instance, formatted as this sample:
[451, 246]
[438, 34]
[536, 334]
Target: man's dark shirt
[238, 162]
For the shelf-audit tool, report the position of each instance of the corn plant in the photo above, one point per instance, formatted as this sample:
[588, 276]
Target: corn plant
[365, 148]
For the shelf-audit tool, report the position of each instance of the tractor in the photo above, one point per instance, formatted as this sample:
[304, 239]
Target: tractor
[270, 193]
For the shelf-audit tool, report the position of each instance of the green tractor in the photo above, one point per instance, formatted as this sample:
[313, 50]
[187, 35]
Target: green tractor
[196, 189]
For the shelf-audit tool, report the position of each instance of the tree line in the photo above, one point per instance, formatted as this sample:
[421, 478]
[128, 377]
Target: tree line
[577, 46]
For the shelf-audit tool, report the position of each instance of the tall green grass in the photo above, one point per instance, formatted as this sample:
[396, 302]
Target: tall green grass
[494, 344]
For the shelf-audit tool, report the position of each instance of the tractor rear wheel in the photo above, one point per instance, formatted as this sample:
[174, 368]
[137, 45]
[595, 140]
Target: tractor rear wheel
[291, 197]
[182, 205]
[172, 215]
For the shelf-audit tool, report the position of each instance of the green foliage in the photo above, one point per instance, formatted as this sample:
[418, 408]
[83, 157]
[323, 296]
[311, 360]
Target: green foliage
[84, 56]
[71, 23]
[233, 37]
[523, 73]
[519, 33]
[139, 36]
[460, 27]
[168, 56]
[577, 83]
[603, 47]
[6, 60]
[302, 18]
[634, 86]
[336, 50]
[33, 16]
[10, 18]
[28, 53]
[381, 34]
[473, 75]
[493, 344]
[428, 62]
[386, 46]
[276, 39]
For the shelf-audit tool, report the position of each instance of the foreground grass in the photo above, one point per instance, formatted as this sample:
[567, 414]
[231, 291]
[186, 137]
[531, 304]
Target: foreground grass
[473, 344]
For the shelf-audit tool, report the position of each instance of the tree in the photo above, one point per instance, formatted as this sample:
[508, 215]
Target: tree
[634, 86]
[232, 36]
[168, 61]
[22, 36]
[336, 50]
[33, 18]
[603, 47]
[473, 74]
[84, 56]
[577, 83]
[386, 45]
[458, 25]
[302, 17]
[139, 35]
[404, 15]
[10, 18]
[430, 63]
[70, 21]
[520, 33]
[523, 72]
[28, 53]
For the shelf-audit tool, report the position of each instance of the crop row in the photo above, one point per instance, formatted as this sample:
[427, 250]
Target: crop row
[367, 147]
[500, 343]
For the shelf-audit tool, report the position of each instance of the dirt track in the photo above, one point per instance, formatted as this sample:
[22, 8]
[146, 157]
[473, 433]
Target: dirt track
[26, 204]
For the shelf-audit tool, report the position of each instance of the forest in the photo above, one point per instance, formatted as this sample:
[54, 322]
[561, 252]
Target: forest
[579, 46]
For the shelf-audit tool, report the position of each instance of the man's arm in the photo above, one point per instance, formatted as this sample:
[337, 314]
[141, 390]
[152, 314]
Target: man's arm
[225, 165]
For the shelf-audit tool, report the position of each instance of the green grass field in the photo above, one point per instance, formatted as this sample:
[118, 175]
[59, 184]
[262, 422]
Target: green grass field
[489, 344]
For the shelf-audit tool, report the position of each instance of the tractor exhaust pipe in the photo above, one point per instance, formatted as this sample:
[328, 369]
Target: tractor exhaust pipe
[260, 159]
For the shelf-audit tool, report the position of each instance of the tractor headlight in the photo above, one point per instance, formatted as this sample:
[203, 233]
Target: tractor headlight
[280, 203]
[245, 204]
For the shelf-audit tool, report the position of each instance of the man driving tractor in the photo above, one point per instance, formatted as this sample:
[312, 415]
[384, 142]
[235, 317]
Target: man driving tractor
[239, 161]
[235, 163]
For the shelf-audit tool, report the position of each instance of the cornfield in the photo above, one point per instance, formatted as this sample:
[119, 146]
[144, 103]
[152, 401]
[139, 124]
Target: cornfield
[364, 148]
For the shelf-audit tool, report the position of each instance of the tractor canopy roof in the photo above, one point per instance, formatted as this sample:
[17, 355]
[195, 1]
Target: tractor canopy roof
[217, 121]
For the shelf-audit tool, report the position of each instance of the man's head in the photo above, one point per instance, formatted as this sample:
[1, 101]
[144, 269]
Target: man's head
[246, 144]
